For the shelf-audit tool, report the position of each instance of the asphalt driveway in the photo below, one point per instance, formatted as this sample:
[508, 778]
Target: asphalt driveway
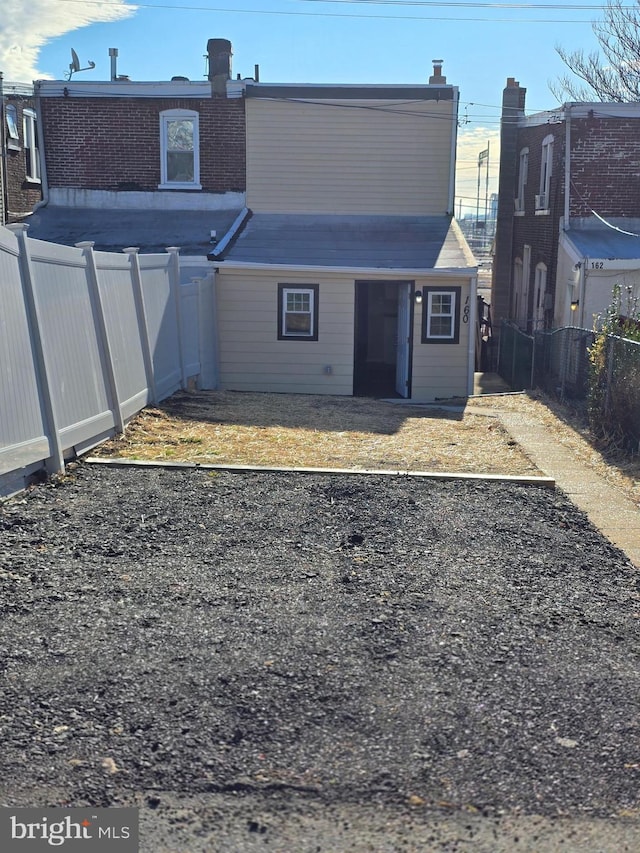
[330, 663]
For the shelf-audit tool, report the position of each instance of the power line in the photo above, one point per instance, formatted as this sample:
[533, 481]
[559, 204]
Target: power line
[346, 15]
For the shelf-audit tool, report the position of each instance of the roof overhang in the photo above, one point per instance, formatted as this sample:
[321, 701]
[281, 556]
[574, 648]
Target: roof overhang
[357, 272]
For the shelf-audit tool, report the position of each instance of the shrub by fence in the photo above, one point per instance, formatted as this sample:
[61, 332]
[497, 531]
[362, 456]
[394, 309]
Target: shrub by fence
[614, 399]
[87, 340]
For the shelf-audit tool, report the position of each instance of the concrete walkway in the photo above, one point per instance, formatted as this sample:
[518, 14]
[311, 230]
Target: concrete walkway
[608, 508]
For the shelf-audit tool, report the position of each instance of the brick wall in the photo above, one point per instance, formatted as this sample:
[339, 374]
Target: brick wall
[541, 231]
[114, 143]
[605, 166]
[22, 195]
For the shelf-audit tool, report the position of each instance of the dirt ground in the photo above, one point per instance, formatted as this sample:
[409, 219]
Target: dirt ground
[311, 663]
[323, 663]
[293, 430]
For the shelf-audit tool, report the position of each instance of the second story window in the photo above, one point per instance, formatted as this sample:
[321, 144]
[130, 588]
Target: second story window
[523, 173]
[179, 150]
[542, 199]
[12, 126]
[31, 148]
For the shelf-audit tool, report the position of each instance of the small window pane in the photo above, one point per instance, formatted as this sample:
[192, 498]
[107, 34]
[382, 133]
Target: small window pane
[297, 324]
[298, 302]
[440, 327]
[180, 166]
[180, 135]
[12, 122]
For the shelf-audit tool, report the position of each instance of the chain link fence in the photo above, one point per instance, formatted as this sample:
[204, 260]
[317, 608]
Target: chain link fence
[558, 361]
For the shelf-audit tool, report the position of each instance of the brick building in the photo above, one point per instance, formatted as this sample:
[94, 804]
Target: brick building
[150, 164]
[569, 211]
[20, 173]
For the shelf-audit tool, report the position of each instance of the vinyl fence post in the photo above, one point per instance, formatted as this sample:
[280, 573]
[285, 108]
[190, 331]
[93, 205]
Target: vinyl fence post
[55, 463]
[174, 284]
[97, 306]
[141, 317]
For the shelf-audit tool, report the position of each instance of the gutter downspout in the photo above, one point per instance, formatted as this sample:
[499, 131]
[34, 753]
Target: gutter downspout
[44, 183]
[567, 167]
[473, 331]
[454, 143]
[4, 187]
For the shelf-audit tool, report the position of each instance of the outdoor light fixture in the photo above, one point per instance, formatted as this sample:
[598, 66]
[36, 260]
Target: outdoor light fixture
[418, 297]
[575, 305]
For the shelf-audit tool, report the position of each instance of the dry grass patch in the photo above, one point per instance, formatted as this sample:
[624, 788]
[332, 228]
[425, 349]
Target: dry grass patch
[318, 432]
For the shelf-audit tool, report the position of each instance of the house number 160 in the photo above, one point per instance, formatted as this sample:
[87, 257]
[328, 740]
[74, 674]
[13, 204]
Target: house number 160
[465, 313]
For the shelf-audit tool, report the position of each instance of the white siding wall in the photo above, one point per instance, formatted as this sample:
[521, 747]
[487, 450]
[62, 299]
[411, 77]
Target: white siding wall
[253, 359]
[440, 370]
[376, 157]
[251, 356]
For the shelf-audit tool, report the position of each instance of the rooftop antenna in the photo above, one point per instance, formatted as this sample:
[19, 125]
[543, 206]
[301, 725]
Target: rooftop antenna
[74, 65]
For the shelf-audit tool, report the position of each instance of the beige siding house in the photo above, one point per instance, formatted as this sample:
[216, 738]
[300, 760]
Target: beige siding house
[347, 273]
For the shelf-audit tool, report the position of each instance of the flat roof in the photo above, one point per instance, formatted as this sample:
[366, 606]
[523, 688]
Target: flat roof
[617, 240]
[368, 242]
[114, 230]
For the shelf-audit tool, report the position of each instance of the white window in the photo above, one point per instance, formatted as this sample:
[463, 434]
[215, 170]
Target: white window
[540, 296]
[298, 312]
[519, 309]
[179, 150]
[32, 154]
[543, 198]
[441, 323]
[12, 122]
[523, 173]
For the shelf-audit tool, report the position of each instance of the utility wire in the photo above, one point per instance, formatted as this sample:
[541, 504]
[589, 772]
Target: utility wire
[398, 18]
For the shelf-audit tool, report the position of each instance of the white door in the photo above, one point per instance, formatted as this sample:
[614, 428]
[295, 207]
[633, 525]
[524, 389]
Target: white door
[403, 349]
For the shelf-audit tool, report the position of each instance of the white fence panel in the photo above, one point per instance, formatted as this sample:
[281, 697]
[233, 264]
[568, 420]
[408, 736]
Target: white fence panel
[190, 304]
[73, 351]
[122, 323]
[23, 438]
[158, 291]
[87, 339]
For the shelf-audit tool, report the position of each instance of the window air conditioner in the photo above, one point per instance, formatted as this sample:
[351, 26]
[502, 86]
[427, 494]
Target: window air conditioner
[541, 201]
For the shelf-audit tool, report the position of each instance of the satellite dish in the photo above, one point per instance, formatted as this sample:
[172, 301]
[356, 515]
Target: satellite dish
[74, 65]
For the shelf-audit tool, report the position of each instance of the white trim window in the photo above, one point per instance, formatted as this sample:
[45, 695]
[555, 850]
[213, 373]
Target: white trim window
[441, 315]
[12, 122]
[546, 167]
[179, 150]
[31, 148]
[523, 174]
[298, 312]
[540, 295]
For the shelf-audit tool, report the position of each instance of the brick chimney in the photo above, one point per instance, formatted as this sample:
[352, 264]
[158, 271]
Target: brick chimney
[437, 76]
[219, 52]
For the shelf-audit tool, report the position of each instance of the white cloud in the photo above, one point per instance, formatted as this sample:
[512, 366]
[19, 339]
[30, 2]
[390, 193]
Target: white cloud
[26, 25]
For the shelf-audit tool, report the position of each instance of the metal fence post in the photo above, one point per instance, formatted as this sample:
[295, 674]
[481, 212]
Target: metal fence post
[55, 463]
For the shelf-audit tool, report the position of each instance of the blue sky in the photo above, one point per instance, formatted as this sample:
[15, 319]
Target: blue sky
[344, 41]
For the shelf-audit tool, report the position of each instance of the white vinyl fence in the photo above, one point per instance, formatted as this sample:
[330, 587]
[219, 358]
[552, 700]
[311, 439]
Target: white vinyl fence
[87, 339]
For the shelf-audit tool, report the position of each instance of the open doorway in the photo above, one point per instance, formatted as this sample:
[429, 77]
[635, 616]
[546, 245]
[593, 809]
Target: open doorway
[383, 338]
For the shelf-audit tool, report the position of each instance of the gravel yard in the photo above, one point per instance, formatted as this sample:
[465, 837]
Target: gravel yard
[326, 663]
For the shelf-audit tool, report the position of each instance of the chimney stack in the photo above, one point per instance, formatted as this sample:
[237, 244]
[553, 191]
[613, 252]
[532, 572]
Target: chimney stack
[219, 53]
[113, 53]
[437, 72]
